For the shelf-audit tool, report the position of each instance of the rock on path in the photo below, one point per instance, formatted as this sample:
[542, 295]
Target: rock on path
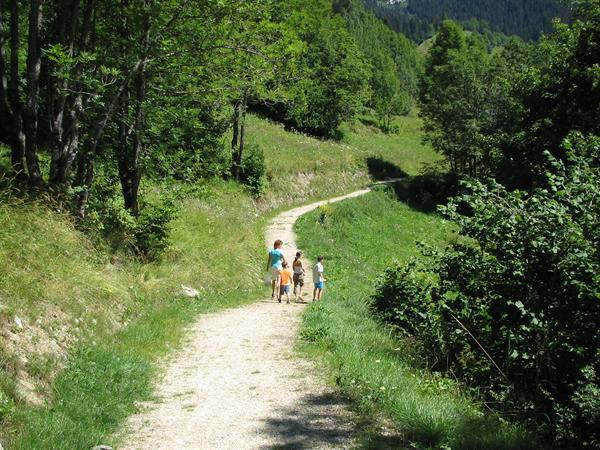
[238, 384]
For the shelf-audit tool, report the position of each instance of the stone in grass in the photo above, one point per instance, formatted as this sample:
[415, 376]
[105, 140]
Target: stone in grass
[187, 291]
[102, 447]
[18, 323]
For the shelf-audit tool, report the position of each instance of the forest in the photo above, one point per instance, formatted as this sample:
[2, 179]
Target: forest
[96, 91]
[417, 18]
[116, 114]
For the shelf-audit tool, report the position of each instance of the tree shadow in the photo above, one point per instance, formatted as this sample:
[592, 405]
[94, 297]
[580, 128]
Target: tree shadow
[425, 192]
[381, 170]
[317, 421]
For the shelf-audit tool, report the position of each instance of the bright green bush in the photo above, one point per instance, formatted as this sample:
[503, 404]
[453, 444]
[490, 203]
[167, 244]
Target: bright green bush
[152, 229]
[253, 172]
[514, 312]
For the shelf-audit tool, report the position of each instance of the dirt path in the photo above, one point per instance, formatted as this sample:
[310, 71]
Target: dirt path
[237, 383]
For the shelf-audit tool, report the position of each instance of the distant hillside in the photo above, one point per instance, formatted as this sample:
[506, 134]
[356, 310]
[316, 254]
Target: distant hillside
[415, 18]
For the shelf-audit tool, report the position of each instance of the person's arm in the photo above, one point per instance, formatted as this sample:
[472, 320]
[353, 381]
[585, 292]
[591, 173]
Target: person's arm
[269, 261]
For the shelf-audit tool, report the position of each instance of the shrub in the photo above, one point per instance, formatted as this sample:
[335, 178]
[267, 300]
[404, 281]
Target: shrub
[106, 215]
[152, 229]
[253, 172]
[515, 312]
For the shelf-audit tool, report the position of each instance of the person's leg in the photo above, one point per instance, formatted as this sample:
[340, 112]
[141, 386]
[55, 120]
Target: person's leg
[315, 293]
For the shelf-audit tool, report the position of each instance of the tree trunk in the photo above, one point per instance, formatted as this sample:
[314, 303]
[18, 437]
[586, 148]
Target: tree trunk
[240, 153]
[129, 154]
[237, 143]
[65, 123]
[5, 112]
[10, 102]
[34, 63]
[236, 121]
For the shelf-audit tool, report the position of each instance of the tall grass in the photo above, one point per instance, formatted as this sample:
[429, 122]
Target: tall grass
[120, 316]
[381, 373]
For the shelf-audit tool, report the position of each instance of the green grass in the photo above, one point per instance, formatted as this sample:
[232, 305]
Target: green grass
[358, 239]
[129, 314]
[301, 167]
[96, 324]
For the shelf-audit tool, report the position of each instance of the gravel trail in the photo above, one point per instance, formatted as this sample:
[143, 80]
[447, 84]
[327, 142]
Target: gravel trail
[238, 384]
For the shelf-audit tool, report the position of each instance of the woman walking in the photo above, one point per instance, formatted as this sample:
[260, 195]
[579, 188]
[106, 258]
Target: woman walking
[275, 264]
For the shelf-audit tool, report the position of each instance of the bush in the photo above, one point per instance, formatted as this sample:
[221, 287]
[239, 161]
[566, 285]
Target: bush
[253, 172]
[106, 215]
[145, 235]
[515, 312]
[152, 229]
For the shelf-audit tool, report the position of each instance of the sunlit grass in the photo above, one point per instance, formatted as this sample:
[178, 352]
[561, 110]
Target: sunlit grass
[119, 316]
[301, 167]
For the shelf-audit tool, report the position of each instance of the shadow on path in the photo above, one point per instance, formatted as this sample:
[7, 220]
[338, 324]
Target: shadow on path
[311, 424]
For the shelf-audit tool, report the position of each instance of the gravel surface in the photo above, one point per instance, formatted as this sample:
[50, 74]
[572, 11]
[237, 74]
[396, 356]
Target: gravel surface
[238, 384]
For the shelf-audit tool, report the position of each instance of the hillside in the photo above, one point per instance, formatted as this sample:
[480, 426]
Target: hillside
[69, 304]
[524, 18]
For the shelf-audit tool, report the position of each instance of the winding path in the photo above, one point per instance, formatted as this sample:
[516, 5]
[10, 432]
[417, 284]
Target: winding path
[238, 384]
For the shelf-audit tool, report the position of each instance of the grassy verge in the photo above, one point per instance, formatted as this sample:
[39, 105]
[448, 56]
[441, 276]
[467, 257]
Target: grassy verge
[116, 317]
[359, 238]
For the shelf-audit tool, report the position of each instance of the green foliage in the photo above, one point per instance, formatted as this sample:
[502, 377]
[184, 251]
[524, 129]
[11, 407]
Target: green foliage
[152, 229]
[393, 59]
[253, 172]
[380, 373]
[146, 234]
[330, 80]
[427, 190]
[559, 95]
[497, 113]
[107, 218]
[466, 101]
[502, 310]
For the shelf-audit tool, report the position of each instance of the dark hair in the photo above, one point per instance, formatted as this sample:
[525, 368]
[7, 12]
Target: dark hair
[298, 255]
[284, 264]
[319, 258]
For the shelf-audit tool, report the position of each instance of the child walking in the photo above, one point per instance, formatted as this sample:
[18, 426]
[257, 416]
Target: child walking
[286, 282]
[298, 276]
[318, 278]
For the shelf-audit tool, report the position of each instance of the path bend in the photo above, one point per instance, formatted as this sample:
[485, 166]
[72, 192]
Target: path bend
[238, 384]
